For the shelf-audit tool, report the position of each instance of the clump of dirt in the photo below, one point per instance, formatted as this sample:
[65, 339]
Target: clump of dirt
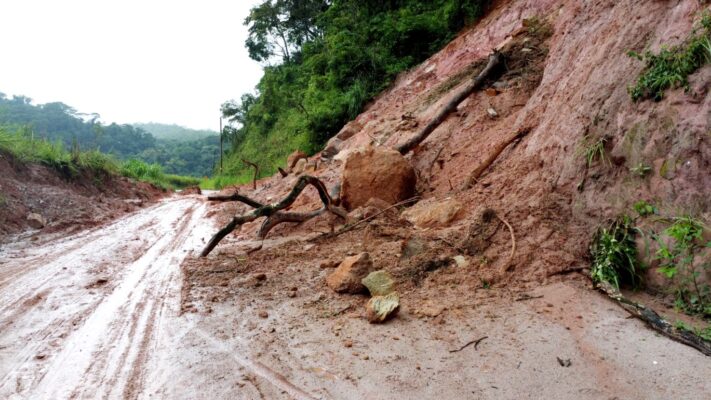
[64, 203]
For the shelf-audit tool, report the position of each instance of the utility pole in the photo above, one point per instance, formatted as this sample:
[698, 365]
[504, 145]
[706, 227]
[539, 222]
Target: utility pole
[221, 134]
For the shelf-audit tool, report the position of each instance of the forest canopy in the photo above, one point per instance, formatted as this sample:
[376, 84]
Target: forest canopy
[323, 61]
[179, 150]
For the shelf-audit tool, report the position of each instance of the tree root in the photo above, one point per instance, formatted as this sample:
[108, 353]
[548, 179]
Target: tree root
[513, 243]
[656, 322]
[273, 212]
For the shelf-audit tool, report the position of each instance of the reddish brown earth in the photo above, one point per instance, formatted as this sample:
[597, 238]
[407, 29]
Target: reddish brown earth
[131, 311]
[65, 203]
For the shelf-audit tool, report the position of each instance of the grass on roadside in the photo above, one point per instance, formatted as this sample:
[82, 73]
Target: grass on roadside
[71, 164]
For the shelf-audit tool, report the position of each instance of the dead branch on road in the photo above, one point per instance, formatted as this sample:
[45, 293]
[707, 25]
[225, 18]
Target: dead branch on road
[273, 212]
[494, 60]
[656, 322]
[256, 172]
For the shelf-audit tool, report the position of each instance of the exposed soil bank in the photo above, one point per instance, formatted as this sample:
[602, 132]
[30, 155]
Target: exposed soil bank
[79, 203]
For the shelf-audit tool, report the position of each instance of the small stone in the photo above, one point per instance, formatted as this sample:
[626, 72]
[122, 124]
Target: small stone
[348, 343]
[379, 283]
[291, 294]
[492, 113]
[263, 314]
[461, 261]
[260, 276]
[381, 308]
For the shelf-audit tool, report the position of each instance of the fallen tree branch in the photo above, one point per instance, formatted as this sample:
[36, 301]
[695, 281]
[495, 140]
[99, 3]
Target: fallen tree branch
[475, 342]
[272, 211]
[256, 172]
[282, 172]
[513, 243]
[235, 197]
[494, 60]
[656, 322]
[474, 175]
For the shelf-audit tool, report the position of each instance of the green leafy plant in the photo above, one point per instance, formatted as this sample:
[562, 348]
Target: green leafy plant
[593, 150]
[640, 169]
[643, 208]
[678, 262]
[614, 254]
[671, 67]
[704, 333]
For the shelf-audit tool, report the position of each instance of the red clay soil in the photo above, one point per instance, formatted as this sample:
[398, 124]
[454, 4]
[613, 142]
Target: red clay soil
[65, 203]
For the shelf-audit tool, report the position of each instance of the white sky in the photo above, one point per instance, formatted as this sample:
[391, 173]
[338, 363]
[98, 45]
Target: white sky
[169, 61]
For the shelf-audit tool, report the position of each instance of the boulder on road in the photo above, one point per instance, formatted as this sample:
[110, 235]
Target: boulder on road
[347, 277]
[376, 172]
[36, 221]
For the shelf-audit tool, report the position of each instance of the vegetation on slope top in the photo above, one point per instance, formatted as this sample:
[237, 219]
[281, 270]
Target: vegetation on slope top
[324, 61]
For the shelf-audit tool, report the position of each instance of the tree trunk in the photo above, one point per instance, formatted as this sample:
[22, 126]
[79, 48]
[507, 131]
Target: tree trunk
[494, 60]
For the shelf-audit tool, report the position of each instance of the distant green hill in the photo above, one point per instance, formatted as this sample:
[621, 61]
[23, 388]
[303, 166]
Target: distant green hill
[179, 150]
[174, 132]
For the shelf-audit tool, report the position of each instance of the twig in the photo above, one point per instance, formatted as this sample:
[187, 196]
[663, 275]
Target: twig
[478, 171]
[364, 220]
[527, 296]
[513, 243]
[282, 172]
[474, 342]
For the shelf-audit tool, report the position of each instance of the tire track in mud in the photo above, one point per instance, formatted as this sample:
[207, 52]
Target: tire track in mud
[104, 354]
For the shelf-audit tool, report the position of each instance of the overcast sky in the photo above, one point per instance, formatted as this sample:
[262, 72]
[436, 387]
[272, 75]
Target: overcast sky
[169, 61]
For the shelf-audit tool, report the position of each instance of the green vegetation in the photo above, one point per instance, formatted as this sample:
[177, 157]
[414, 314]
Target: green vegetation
[593, 150]
[672, 66]
[678, 258]
[640, 169]
[324, 61]
[71, 164]
[179, 150]
[643, 208]
[218, 182]
[54, 155]
[614, 254]
[704, 333]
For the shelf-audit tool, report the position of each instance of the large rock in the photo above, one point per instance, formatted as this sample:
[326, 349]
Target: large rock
[36, 221]
[294, 158]
[381, 308]
[376, 172]
[379, 283]
[347, 277]
[429, 214]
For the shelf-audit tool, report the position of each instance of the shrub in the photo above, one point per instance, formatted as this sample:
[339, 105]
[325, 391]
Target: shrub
[671, 67]
[614, 254]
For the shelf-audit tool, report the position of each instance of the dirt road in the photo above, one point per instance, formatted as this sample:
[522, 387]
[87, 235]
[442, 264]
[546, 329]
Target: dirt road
[97, 315]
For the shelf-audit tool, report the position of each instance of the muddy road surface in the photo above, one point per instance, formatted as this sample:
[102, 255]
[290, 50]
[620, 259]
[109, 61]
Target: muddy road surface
[97, 315]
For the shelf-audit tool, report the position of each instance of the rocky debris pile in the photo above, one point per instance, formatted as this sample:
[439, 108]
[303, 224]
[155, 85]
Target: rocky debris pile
[355, 274]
